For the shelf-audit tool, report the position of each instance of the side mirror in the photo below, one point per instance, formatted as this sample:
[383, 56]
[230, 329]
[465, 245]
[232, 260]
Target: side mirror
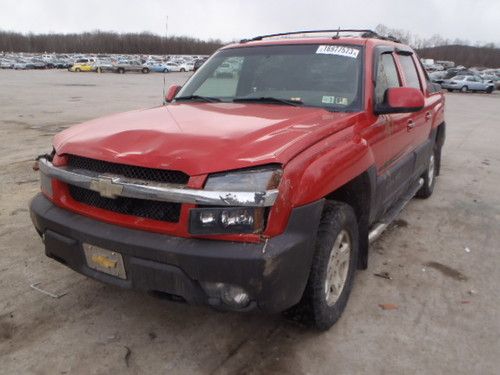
[401, 100]
[172, 92]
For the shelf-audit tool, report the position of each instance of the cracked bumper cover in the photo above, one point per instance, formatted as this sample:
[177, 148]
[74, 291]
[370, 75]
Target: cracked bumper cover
[274, 274]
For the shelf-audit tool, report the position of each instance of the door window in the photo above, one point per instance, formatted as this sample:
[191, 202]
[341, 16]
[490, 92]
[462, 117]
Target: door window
[387, 76]
[410, 71]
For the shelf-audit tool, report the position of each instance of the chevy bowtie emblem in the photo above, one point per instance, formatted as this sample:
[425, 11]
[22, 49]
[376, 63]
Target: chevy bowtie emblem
[106, 187]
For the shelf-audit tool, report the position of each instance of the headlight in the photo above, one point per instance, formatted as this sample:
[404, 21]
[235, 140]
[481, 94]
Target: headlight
[252, 179]
[221, 220]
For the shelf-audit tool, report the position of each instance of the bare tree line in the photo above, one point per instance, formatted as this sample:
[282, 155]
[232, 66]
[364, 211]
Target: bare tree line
[436, 47]
[105, 42]
[462, 52]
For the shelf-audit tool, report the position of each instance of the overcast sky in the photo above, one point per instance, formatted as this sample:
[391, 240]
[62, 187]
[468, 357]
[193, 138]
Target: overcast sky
[473, 20]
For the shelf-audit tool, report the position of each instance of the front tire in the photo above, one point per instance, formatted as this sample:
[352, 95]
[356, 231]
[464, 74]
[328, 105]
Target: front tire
[145, 70]
[333, 266]
[489, 90]
[183, 70]
[429, 177]
[464, 89]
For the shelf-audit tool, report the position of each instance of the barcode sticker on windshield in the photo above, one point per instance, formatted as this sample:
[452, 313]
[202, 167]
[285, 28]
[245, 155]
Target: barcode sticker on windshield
[339, 51]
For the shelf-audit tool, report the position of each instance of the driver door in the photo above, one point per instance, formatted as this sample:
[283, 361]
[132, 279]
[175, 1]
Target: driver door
[392, 147]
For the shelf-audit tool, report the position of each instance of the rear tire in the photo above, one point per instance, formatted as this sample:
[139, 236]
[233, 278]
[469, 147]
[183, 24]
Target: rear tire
[145, 70]
[183, 70]
[121, 70]
[450, 90]
[489, 90]
[429, 177]
[333, 268]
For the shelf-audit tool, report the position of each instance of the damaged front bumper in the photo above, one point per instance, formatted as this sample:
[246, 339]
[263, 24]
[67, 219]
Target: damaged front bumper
[273, 273]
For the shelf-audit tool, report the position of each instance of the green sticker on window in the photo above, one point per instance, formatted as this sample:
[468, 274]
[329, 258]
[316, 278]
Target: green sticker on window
[328, 99]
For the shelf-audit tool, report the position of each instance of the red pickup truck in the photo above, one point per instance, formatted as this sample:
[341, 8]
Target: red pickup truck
[260, 183]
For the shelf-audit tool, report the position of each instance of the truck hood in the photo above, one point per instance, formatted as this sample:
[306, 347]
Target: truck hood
[200, 138]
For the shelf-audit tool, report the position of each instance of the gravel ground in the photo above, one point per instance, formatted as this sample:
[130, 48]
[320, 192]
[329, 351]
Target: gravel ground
[442, 255]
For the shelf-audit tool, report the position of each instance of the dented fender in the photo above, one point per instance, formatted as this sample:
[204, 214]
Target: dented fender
[318, 171]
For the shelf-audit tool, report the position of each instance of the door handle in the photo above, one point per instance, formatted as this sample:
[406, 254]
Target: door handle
[427, 116]
[410, 125]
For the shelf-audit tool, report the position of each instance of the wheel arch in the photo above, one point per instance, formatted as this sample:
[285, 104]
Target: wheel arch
[343, 171]
[440, 138]
[359, 193]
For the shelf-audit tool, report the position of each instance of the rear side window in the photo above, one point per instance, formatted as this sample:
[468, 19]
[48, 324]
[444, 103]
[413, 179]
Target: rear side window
[387, 76]
[410, 71]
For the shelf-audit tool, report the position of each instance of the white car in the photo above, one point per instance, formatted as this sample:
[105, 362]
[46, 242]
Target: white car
[189, 65]
[6, 64]
[224, 70]
[176, 67]
[22, 64]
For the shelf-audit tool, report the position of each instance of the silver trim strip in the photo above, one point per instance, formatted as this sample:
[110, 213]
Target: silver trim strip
[112, 186]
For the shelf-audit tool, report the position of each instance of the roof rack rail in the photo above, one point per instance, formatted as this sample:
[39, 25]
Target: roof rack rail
[365, 33]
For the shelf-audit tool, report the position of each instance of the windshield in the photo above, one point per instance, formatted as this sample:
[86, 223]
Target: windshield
[315, 75]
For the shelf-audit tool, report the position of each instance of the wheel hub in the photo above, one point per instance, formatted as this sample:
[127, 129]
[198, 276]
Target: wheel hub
[430, 171]
[338, 267]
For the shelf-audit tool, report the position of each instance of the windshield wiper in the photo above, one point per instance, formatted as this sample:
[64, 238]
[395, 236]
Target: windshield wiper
[198, 97]
[268, 99]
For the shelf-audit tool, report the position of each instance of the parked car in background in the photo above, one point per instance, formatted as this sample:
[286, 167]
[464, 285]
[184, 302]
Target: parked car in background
[437, 76]
[6, 64]
[124, 66]
[175, 67]
[82, 67]
[61, 64]
[492, 78]
[468, 83]
[103, 65]
[450, 73]
[198, 63]
[21, 64]
[225, 70]
[188, 65]
[38, 63]
[157, 66]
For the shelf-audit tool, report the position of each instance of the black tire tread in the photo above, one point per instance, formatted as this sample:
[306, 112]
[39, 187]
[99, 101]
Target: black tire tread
[312, 309]
[426, 191]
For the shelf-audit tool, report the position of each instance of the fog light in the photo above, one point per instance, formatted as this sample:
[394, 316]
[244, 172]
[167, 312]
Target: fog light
[235, 296]
[231, 295]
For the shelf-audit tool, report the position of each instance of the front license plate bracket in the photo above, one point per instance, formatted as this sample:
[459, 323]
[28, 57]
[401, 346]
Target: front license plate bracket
[103, 260]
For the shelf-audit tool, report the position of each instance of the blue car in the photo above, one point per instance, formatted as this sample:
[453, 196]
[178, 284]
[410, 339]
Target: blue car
[157, 67]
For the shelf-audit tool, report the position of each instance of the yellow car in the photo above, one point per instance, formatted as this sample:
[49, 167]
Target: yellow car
[82, 67]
